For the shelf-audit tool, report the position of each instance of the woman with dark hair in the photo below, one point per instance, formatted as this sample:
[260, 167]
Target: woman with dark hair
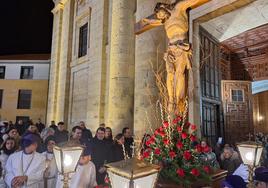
[108, 134]
[118, 149]
[7, 149]
[207, 156]
[12, 132]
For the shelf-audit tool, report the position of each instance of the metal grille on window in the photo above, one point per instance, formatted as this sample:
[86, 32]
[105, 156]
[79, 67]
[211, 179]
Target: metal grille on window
[82, 51]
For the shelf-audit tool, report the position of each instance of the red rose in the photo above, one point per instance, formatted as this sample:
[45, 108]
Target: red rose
[198, 148]
[179, 129]
[161, 129]
[180, 172]
[193, 138]
[179, 118]
[156, 132]
[195, 172]
[157, 151]
[175, 121]
[206, 149]
[148, 143]
[187, 124]
[193, 127]
[146, 154]
[179, 145]
[165, 124]
[187, 155]
[166, 141]
[172, 154]
[206, 169]
[183, 135]
[162, 133]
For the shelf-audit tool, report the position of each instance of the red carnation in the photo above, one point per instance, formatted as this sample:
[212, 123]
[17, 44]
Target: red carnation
[206, 169]
[179, 145]
[195, 172]
[206, 149]
[198, 148]
[193, 127]
[183, 135]
[172, 154]
[157, 151]
[187, 155]
[179, 129]
[165, 124]
[193, 138]
[166, 141]
[180, 172]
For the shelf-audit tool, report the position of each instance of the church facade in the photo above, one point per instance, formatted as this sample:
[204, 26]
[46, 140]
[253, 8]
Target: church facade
[102, 73]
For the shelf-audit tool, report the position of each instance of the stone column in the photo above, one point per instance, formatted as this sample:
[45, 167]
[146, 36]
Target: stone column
[65, 59]
[55, 60]
[121, 76]
[150, 47]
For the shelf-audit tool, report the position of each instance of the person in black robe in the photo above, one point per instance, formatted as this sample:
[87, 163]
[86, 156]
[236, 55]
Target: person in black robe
[40, 126]
[61, 134]
[129, 141]
[118, 153]
[109, 135]
[100, 154]
[53, 125]
[21, 127]
[86, 133]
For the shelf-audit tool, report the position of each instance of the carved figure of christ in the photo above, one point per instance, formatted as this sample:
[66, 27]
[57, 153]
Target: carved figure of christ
[174, 17]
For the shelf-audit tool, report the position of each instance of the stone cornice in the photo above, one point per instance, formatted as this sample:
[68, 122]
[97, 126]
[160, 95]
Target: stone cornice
[59, 5]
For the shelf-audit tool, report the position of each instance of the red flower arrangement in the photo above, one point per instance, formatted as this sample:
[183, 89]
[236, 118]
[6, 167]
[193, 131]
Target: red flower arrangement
[174, 146]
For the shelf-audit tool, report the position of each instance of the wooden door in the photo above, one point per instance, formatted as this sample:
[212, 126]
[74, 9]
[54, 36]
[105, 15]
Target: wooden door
[238, 112]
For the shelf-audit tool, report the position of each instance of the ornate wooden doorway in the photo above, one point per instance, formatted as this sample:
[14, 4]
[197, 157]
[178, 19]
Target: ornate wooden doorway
[211, 119]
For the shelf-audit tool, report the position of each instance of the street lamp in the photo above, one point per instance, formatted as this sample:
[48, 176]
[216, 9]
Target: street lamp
[67, 158]
[250, 153]
[132, 173]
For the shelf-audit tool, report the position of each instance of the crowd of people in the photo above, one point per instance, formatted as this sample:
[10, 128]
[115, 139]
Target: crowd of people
[227, 157]
[27, 158]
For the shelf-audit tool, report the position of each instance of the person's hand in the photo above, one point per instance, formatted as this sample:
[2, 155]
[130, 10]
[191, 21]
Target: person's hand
[18, 181]
[46, 173]
[102, 170]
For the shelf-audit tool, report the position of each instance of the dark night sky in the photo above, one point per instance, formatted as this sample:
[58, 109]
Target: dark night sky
[25, 26]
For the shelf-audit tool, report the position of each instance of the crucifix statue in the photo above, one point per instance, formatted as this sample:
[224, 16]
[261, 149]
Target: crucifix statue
[174, 17]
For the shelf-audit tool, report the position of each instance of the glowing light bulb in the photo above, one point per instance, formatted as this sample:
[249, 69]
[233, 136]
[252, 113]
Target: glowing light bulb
[249, 156]
[67, 160]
